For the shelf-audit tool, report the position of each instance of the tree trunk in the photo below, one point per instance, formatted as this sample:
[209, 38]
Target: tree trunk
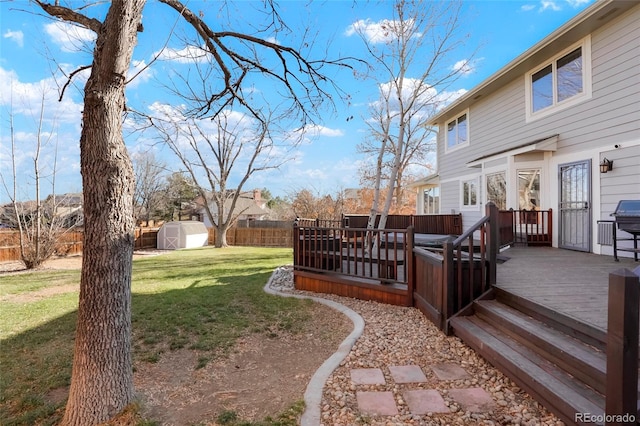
[102, 377]
[221, 235]
[396, 165]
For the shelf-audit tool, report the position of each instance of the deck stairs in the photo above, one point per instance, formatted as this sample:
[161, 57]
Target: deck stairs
[558, 361]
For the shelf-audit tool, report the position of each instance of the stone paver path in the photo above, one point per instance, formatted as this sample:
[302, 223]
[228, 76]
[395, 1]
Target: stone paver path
[419, 401]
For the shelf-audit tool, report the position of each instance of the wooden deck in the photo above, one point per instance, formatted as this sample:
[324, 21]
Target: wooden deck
[569, 282]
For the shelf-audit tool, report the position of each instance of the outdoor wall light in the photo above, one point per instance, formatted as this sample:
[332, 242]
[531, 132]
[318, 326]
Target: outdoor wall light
[606, 165]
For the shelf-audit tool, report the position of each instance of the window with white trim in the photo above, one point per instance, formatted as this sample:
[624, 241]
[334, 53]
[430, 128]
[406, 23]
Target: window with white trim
[457, 132]
[469, 193]
[497, 189]
[562, 81]
[431, 200]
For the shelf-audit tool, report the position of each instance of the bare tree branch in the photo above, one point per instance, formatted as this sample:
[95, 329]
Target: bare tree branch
[70, 15]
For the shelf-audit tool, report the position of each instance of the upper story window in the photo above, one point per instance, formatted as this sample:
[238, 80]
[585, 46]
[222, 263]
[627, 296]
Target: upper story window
[457, 132]
[560, 82]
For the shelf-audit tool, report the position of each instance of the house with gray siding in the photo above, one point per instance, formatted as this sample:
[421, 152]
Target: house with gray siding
[533, 135]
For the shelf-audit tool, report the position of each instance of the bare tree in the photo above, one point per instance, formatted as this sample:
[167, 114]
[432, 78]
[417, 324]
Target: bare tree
[309, 205]
[412, 56]
[229, 146]
[150, 184]
[39, 223]
[101, 382]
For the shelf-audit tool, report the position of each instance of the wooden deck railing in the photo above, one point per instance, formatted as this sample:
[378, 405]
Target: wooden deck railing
[361, 253]
[441, 282]
[448, 282]
[529, 227]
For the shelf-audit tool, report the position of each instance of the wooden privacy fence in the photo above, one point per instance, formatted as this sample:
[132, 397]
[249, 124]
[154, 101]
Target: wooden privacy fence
[447, 224]
[256, 237]
[146, 238]
[68, 243]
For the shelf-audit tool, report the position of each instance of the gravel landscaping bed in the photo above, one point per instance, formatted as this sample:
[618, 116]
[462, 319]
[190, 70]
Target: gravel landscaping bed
[395, 336]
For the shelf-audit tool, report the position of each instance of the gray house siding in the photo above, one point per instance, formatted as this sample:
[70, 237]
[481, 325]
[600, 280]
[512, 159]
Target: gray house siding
[621, 185]
[587, 130]
[500, 122]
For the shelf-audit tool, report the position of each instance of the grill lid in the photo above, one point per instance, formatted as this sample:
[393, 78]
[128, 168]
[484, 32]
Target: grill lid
[627, 208]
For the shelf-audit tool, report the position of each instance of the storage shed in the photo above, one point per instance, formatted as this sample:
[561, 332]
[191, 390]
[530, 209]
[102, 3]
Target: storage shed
[183, 234]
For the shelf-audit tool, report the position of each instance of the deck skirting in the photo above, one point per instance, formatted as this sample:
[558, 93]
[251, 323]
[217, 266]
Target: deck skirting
[342, 285]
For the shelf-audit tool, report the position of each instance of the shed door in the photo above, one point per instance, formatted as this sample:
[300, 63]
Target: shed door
[575, 206]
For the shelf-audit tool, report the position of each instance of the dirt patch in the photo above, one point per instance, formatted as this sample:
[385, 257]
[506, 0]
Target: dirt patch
[55, 263]
[66, 262]
[43, 293]
[262, 377]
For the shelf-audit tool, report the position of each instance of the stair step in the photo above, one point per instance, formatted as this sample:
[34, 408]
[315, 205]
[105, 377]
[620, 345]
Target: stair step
[577, 358]
[557, 390]
[570, 326]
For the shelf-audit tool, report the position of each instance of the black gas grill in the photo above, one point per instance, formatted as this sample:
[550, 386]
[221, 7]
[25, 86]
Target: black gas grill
[627, 218]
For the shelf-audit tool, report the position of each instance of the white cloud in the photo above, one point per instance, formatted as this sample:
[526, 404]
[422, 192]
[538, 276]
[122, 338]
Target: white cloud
[554, 5]
[317, 130]
[412, 88]
[70, 38]
[380, 32]
[549, 4]
[26, 99]
[464, 67]
[445, 98]
[16, 36]
[307, 134]
[186, 55]
[577, 3]
[315, 174]
[141, 73]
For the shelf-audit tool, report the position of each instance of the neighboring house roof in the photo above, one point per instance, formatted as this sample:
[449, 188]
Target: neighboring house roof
[577, 28]
[246, 205]
[67, 200]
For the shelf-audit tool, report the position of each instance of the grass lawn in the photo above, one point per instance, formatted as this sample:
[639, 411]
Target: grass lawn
[202, 299]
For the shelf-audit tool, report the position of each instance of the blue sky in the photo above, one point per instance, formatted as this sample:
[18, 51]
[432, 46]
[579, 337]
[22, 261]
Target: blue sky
[34, 50]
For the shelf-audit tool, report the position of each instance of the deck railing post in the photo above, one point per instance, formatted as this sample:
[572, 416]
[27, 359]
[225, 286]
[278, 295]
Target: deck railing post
[410, 265]
[550, 222]
[622, 347]
[296, 242]
[448, 297]
[494, 240]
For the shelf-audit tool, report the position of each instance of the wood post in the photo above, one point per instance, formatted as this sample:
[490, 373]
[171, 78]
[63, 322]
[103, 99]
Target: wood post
[410, 265]
[447, 285]
[494, 240]
[622, 348]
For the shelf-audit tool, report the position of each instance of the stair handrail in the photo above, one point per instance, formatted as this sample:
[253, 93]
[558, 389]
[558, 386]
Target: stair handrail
[453, 254]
